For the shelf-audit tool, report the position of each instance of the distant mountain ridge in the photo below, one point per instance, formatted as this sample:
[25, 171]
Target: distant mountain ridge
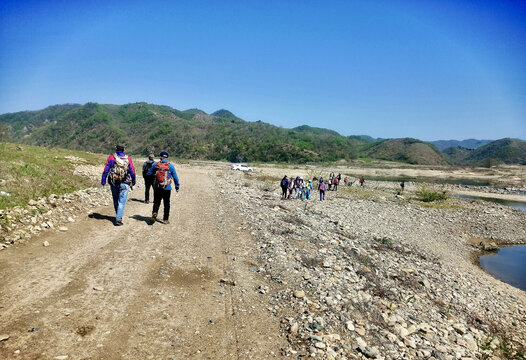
[192, 133]
[467, 144]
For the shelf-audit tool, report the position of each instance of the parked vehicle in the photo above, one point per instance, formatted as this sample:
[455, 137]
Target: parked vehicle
[241, 167]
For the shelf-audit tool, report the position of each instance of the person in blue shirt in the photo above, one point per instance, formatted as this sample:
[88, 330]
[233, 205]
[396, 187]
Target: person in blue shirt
[165, 175]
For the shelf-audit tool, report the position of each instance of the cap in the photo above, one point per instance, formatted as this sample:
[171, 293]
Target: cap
[119, 147]
[164, 154]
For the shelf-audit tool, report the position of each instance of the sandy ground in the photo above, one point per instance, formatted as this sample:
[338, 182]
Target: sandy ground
[180, 291]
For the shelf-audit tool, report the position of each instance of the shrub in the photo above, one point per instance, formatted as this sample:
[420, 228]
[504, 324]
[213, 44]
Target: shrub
[426, 195]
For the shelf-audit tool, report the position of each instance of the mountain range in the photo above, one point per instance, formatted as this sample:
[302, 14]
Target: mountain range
[147, 128]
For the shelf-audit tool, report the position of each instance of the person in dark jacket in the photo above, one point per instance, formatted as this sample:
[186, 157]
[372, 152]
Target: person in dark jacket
[284, 187]
[120, 174]
[163, 191]
[148, 180]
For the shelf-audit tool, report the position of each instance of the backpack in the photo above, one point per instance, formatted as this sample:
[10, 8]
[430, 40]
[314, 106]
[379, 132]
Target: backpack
[119, 171]
[146, 166]
[284, 182]
[162, 174]
[322, 186]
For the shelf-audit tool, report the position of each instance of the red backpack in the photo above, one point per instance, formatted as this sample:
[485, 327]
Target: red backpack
[162, 172]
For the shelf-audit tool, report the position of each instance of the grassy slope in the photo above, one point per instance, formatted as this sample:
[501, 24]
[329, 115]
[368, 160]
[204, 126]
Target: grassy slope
[509, 151]
[29, 172]
[407, 150]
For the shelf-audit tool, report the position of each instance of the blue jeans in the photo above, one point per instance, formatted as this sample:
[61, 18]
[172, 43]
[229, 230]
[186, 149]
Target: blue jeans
[120, 194]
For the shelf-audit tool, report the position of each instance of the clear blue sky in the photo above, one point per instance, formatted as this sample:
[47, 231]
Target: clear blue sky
[385, 68]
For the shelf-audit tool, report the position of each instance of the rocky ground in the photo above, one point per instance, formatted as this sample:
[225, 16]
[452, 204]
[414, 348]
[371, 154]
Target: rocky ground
[368, 273]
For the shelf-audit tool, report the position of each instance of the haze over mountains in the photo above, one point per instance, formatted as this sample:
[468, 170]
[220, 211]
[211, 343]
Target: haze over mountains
[194, 134]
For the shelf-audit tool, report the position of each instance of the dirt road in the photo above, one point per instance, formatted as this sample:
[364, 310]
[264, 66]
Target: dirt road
[178, 291]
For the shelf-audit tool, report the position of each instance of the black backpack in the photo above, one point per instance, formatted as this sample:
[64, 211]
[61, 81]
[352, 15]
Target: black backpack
[147, 165]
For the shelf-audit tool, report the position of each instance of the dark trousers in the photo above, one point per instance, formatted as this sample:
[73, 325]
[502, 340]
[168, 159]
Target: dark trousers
[164, 195]
[148, 183]
[284, 192]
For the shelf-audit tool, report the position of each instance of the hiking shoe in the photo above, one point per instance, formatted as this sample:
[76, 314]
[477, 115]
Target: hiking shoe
[153, 219]
[147, 202]
[118, 223]
[166, 222]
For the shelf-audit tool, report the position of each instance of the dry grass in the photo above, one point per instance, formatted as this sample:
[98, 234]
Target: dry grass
[29, 172]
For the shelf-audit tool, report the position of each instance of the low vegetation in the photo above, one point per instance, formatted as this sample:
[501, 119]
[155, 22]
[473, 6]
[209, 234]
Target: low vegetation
[30, 172]
[427, 195]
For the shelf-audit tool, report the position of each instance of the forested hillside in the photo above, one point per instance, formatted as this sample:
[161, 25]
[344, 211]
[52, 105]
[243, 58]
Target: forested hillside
[192, 133]
[408, 150]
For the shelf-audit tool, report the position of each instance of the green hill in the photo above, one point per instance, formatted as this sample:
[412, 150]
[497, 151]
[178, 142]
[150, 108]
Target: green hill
[407, 150]
[194, 134]
[146, 128]
[457, 154]
[507, 151]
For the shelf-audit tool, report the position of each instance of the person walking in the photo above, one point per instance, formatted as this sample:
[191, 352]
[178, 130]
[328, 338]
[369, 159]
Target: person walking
[308, 189]
[335, 183]
[362, 181]
[322, 188]
[284, 187]
[120, 174]
[291, 187]
[148, 180]
[164, 174]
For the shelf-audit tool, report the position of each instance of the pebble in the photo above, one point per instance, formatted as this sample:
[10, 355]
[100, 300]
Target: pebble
[45, 243]
[300, 294]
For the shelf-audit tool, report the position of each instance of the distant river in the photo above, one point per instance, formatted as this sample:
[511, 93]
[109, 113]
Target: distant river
[521, 205]
[508, 265]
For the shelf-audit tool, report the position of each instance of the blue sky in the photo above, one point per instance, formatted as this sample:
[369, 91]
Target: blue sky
[425, 69]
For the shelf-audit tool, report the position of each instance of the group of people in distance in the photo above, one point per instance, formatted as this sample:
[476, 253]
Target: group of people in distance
[120, 174]
[298, 188]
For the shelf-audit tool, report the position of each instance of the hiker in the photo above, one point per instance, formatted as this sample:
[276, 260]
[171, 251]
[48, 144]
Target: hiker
[335, 183]
[362, 181]
[402, 185]
[120, 174]
[298, 188]
[346, 180]
[330, 183]
[148, 180]
[301, 189]
[308, 189]
[164, 174]
[291, 187]
[321, 188]
[284, 186]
